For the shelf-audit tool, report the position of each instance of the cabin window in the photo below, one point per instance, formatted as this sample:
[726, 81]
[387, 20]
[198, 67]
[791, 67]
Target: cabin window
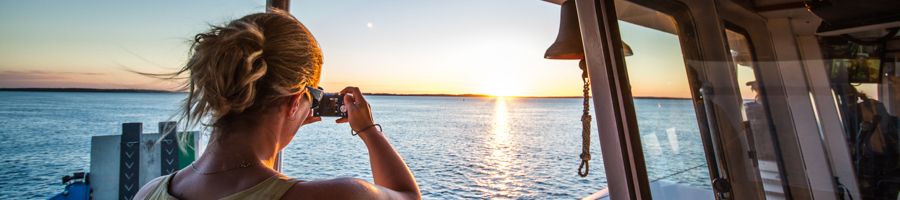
[866, 85]
[758, 127]
[673, 150]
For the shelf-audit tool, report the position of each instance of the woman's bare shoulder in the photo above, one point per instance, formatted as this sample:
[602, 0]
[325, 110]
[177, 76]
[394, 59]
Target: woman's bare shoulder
[341, 188]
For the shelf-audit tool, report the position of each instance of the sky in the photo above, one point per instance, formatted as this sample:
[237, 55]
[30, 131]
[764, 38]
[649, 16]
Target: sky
[399, 46]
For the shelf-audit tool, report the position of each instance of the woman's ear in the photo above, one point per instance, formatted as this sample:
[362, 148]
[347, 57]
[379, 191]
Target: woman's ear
[294, 105]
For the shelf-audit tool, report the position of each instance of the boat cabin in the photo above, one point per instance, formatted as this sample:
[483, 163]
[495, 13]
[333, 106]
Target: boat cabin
[793, 99]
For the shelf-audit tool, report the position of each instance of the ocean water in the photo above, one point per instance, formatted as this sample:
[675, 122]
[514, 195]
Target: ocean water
[457, 147]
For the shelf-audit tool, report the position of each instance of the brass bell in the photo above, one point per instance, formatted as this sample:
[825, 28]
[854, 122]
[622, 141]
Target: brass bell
[626, 50]
[568, 41]
[568, 44]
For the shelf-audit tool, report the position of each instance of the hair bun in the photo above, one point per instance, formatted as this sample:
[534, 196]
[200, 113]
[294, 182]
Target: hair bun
[247, 66]
[234, 57]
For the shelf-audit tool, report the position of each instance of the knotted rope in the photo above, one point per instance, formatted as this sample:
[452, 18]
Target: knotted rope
[584, 168]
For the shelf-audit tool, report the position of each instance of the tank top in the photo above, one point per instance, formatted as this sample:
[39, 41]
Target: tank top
[272, 188]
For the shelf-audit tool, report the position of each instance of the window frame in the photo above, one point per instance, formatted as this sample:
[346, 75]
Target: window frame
[619, 135]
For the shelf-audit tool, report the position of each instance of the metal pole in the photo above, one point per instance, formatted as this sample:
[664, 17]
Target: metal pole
[279, 4]
[285, 6]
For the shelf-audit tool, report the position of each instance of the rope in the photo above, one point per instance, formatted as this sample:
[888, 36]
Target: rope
[584, 168]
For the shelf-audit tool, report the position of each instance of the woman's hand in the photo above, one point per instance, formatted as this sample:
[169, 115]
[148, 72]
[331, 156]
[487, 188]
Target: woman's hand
[311, 119]
[391, 175]
[359, 113]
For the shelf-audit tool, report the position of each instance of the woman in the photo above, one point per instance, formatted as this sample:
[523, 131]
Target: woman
[254, 80]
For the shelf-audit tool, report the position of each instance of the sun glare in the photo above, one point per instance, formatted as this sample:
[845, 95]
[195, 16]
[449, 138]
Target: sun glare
[500, 86]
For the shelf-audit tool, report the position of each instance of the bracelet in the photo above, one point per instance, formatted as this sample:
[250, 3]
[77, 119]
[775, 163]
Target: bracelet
[354, 133]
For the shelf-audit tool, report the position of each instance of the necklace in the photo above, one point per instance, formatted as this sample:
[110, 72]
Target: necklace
[244, 164]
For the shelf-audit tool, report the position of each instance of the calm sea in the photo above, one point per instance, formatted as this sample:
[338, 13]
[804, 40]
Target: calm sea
[457, 147]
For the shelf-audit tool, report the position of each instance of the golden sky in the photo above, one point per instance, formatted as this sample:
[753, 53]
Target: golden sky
[413, 47]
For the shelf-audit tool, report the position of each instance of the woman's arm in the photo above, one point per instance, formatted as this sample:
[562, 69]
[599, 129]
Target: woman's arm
[388, 167]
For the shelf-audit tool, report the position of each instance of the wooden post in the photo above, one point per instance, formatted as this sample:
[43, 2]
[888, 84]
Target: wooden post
[129, 168]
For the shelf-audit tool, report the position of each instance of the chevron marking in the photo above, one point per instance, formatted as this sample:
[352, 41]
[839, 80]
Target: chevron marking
[129, 165]
[129, 154]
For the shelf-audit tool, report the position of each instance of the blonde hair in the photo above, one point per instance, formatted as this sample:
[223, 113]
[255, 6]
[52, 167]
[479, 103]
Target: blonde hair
[247, 66]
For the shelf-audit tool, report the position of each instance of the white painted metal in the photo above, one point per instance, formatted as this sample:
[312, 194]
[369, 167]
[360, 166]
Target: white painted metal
[783, 140]
[646, 17]
[727, 122]
[105, 157]
[150, 158]
[602, 194]
[104, 173]
[665, 190]
[558, 2]
[817, 170]
[829, 117]
[861, 29]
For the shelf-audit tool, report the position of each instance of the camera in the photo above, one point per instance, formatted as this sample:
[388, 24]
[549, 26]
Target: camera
[331, 105]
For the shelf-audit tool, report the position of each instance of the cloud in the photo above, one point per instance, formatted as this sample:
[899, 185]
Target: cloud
[42, 78]
[32, 75]
[62, 79]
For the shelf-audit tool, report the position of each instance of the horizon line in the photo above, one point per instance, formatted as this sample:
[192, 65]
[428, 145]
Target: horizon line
[131, 90]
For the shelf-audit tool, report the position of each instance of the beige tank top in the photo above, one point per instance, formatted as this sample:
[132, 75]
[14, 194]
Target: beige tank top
[272, 188]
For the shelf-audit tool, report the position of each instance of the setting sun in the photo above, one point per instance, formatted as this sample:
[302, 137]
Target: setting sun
[501, 86]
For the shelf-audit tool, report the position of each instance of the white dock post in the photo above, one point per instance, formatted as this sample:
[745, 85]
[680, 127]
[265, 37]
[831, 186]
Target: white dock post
[122, 164]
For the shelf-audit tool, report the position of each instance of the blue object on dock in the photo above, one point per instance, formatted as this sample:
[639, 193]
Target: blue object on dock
[121, 164]
[75, 190]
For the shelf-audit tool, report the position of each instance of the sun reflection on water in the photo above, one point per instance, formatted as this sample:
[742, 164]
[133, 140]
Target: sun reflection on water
[501, 126]
[501, 168]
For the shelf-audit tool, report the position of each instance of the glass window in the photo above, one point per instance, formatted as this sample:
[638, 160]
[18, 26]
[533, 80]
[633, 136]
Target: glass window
[671, 139]
[757, 125]
[866, 85]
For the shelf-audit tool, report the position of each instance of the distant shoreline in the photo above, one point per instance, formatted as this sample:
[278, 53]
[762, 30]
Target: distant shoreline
[98, 90]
